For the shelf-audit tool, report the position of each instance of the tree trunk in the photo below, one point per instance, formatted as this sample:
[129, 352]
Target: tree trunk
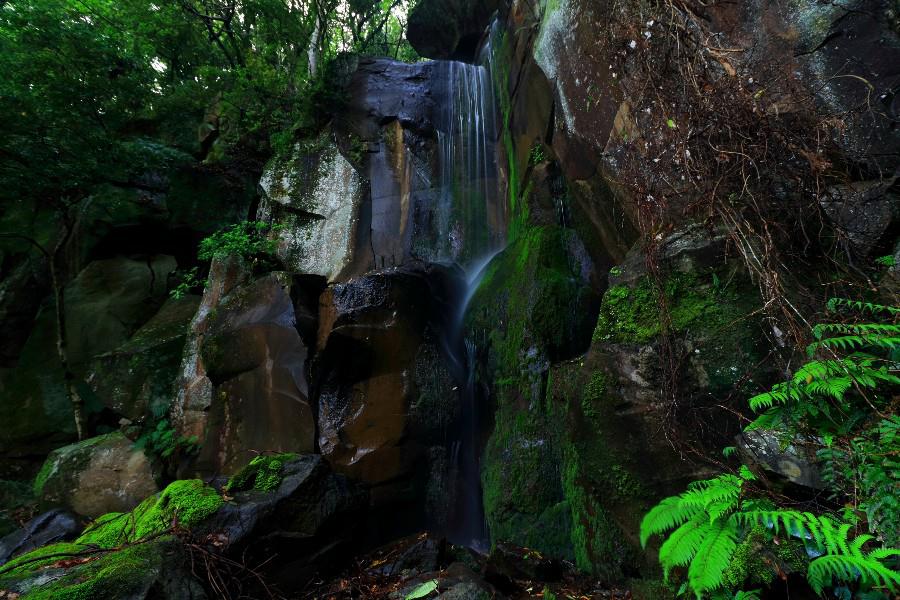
[62, 351]
[313, 51]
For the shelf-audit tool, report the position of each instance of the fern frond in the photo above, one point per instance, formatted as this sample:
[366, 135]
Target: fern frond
[748, 595]
[820, 330]
[683, 544]
[823, 570]
[666, 515]
[792, 522]
[854, 342]
[835, 303]
[713, 557]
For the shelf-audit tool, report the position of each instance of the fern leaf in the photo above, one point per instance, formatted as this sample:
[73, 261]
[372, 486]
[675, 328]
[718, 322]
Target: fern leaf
[666, 515]
[835, 303]
[823, 570]
[713, 557]
[748, 595]
[683, 544]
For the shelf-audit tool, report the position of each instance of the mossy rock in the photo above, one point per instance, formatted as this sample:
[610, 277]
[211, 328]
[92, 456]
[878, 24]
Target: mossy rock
[75, 571]
[531, 296]
[185, 503]
[264, 473]
[98, 475]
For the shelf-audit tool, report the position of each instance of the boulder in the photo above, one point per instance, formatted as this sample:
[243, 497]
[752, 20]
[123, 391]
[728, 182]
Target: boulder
[254, 361]
[136, 380]
[106, 304]
[109, 300]
[387, 376]
[862, 212]
[315, 195]
[99, 475]
[53, 526]
[154, 570]
[305, 521]
[796, 462]
[287, 512]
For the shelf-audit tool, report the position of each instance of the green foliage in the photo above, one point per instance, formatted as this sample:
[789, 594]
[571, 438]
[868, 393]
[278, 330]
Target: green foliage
[99, 92]
[705, 523]
[839, 400]
[188, 282]
[246, 240]
[163, 442]
[536, 156]
[263, 473]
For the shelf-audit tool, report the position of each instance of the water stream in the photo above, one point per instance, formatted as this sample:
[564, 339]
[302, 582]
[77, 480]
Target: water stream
[471, 218]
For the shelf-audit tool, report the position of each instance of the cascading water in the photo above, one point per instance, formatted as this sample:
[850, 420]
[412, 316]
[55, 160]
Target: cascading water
[471, 220]
[469, 216]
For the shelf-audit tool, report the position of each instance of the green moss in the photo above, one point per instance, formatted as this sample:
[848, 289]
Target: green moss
[631, 314]
[263, 473]
[36, 559]
[187, 502]
[43, 475]
[749, 564]
[119, 574]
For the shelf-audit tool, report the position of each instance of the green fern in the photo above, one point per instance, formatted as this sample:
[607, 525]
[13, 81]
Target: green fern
[853, 369]
[867, 568]
[836, 304]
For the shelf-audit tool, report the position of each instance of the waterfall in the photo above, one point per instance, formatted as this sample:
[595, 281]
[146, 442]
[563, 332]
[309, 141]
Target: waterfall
[471, 219]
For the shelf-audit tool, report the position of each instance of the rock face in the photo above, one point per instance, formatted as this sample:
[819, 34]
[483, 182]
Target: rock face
[105, 305]
[449, 28]
[387, 382]
[96, 476]
[137, 379]
[249, 391]
[316, 196]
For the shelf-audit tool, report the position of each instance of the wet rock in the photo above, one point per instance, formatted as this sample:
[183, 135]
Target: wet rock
[99, 475]
[194, 395]
[253, 364]
[797, 462]
[862, 212]
[456, 582]
[136, 380]
[387, 389]
[53, 526]
[405, 115]
[315, 194]
[449, 28]
[307, 523]
[512, 563]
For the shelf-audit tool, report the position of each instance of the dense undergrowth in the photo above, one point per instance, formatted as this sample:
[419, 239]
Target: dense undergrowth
[840, 407]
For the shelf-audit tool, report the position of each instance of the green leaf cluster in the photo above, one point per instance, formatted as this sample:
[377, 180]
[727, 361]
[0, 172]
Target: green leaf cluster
[246, 240]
